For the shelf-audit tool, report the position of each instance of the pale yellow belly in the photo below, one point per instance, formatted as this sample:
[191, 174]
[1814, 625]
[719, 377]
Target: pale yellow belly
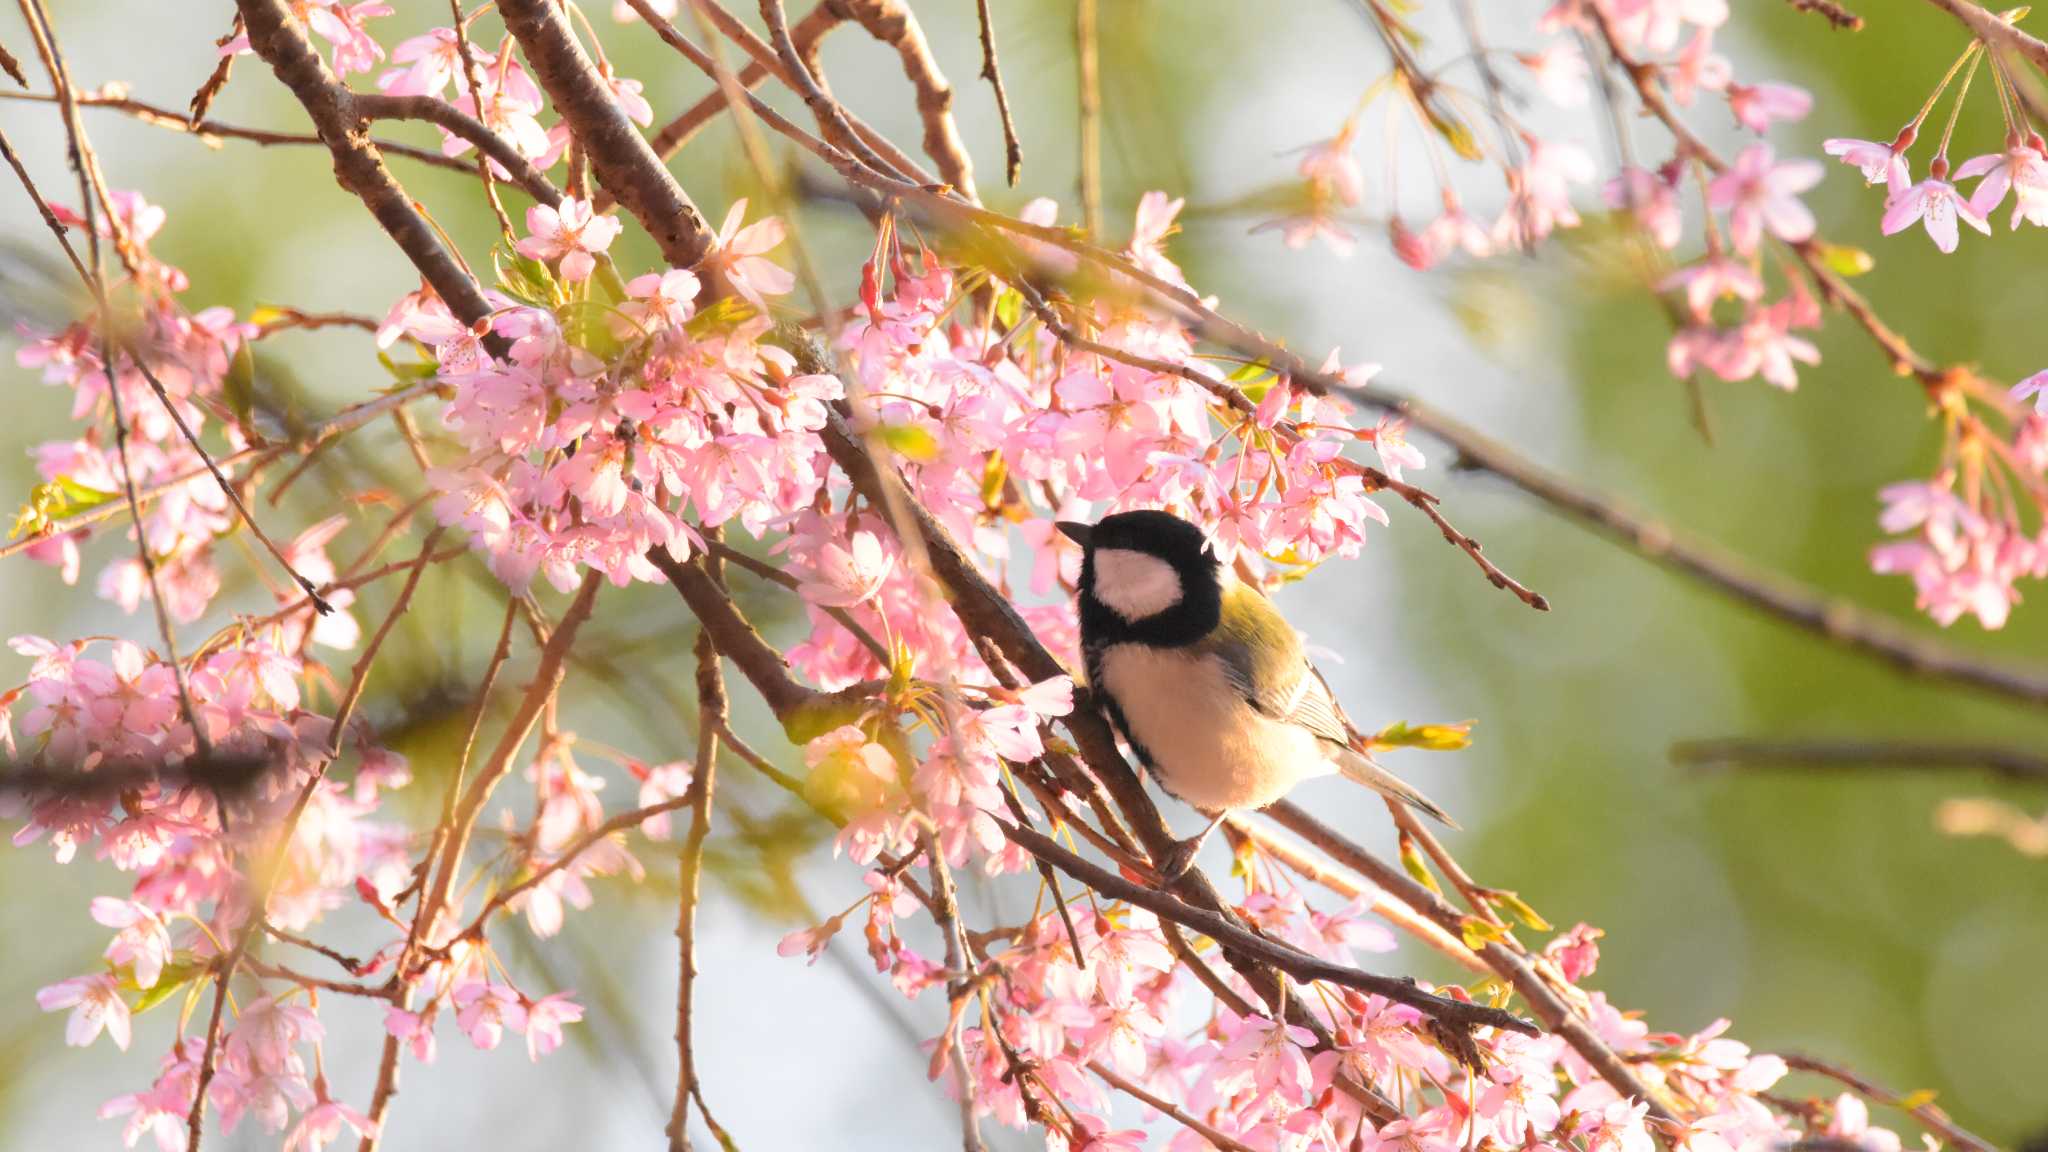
[1208, 746]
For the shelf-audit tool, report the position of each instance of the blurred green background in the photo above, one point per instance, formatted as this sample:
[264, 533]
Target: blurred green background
[1821, 913]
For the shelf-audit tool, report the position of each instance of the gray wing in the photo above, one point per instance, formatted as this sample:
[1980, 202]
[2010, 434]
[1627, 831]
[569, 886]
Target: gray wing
[1299, 696]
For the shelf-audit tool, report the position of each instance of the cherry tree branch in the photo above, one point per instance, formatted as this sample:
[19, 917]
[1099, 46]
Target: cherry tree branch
[1997, 31]
[212, 132]
[713, 714]
[439, 112]
[1830, 11]
[622, 159]
[1549, 1007]
[1865, 755]
[1935, 1120]
[1788, 600]
[893, 23]
[1456, 1013]
[278, 38]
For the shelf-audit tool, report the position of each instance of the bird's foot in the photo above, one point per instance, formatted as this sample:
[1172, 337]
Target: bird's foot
[1180, 860]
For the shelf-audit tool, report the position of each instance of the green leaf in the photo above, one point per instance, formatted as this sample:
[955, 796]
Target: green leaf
[1250, 371]
[407, 373]
[1417, 869]
[912, 441]
[525, 279]
[174, 976]
[1009, 308]
[1844, 260]
[79, 497]
[1428, 737]
[1479, 933]
[1518, 908]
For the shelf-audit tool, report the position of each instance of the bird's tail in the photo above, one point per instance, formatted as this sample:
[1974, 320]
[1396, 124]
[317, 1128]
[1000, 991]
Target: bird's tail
[1365, 770]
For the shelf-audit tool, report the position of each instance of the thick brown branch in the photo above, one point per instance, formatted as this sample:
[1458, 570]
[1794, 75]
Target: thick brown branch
[893, 23]
[736, 639]
[276, 36]
[619, 155]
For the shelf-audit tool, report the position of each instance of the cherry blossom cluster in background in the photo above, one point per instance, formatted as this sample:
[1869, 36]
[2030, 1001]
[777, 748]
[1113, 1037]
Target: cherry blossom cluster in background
[1977, 527]
[599, 416]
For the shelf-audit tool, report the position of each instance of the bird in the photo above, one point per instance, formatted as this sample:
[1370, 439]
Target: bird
[1204, 678]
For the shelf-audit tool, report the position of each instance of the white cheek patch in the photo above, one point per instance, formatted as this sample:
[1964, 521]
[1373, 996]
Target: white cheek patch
[1135, 585]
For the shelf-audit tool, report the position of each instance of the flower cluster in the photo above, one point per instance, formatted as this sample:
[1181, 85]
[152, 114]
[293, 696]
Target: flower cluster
[1964, 535]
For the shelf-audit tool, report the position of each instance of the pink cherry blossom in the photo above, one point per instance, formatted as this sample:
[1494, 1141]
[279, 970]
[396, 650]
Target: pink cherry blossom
[1651, 199]
[571, 234]
[741, 257]
[544, 1020]
[2035, 387]
[1937, 204]
[95, 1003]
[1761, 192]
[2021, 170]
[1877, 162]
[483, 1011]
[1757, 105]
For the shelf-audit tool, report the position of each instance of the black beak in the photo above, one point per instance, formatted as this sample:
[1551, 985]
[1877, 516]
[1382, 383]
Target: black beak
[1075, 530]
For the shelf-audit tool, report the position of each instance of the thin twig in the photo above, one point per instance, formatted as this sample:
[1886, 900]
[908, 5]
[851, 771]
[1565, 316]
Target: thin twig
[991, 71]
[1859, 755]
[1932, 1117]
[712, 715]
[212, 132]
[1833, 13]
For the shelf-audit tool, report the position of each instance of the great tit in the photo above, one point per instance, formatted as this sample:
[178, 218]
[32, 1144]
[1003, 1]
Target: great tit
[1205, 679]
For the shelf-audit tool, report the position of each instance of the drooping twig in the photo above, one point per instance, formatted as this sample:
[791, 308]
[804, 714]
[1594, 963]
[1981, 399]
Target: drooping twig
[1830, 11]
[452, 835]
[991, 71]
[212, 132]
[2009, 762]
[1932, 1117]
[347, 420]
[224, 966]
[473, 82]
[712, 715]
[93, 197]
